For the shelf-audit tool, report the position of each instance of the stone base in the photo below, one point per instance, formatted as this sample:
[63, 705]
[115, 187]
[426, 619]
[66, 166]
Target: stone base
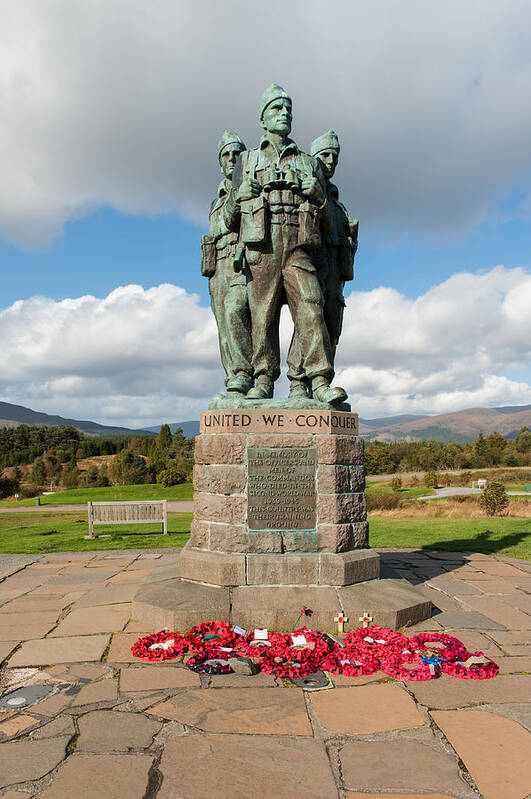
[306, 568]
[164, 601]
[233, 400]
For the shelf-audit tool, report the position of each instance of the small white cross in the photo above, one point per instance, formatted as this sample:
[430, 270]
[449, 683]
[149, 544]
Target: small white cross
[365, 619]
[341, 621]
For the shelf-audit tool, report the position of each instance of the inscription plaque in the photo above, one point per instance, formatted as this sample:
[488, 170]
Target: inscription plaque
[281, 488]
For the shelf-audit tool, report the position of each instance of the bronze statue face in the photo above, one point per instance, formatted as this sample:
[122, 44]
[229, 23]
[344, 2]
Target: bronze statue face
[277, 116]
[329, 159]
[228, 159]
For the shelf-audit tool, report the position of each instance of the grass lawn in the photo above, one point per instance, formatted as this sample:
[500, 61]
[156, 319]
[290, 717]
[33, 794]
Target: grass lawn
[46, 531]
[510, 537]
[79, 496]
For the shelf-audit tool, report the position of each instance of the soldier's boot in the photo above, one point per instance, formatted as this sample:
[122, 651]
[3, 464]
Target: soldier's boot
[263, 388]
[298, 390]
[240, 383]
[324, 392]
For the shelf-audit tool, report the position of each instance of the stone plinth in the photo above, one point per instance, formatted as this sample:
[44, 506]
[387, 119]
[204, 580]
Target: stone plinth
[279, 481]
[280, 521]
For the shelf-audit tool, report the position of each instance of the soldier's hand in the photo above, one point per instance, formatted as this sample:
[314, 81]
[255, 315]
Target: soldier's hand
[311, 188]
[248, 190]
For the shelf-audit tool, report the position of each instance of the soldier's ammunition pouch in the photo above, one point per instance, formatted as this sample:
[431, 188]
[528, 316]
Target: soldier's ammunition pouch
[309, 226]
[208, 256]
[346, 262]
[254, 221]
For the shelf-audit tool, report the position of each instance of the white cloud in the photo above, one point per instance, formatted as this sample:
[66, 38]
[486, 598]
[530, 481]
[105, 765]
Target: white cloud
[139, 357]
[121, 102]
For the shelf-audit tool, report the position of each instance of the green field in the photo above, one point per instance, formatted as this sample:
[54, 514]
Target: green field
[46, 531]
[80, 496]
[49, 531]
[510, 537]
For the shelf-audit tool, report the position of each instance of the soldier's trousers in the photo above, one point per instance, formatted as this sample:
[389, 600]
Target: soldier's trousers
[228, 299]
[334, 306]
[282, 272]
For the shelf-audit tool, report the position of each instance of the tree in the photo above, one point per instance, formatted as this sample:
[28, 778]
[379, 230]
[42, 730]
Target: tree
[38, 472]
[129, 469]
[396, 484]
[70, 476]
[480, 450]
[173, 475]
[164, 437]
[494, 499]
[431, 480]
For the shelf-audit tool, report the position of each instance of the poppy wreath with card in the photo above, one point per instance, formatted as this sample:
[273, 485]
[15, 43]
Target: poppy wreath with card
[163, 645]
[475, 671]
[210, 661]
[209, 634]
[351, 661]
[424, 668]
[253, 647]
[294, 663]
[451, 650]
[377, 640]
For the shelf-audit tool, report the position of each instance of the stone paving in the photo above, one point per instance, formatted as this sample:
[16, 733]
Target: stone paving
[109, 725]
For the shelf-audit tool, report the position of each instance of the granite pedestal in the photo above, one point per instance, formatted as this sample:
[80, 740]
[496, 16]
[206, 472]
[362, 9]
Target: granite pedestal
[280, 521]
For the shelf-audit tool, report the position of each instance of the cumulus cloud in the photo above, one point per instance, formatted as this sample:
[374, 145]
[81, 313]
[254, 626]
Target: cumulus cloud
[138, 357]
[121, 102]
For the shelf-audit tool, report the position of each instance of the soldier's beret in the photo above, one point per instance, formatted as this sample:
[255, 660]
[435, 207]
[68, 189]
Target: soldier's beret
[229, 138]
[272, 92]
[328, 141]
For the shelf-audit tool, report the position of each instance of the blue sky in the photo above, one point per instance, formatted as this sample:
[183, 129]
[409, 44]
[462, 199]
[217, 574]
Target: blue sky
[109, 248]
[109, 121]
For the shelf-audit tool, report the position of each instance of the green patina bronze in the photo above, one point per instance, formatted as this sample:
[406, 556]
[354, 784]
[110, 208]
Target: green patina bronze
[278, 235]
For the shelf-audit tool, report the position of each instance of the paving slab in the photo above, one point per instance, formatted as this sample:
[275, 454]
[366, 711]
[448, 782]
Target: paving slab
[29, 604]
[400, 765]
[21, 761]
[341, 680]
[102, 691]
[494, 586]
[131, 576]
[110, 595]
[499, 568]
[453, 587]
[259, 680]
[54, 705]
[253, 711]
[449, 692]
[366, 709]
[26, 625]
[357, 795]
[499, 612]
[241, 766]
[120, 649]
[6, 647]
[87, 621]
[467, 619]
[85, 577]
[495, 750]
[60, 650]
[517, 711]
[514, 665]
[16, 724]
[112, 731]
[94, 776]
[62, 725]
[155, 677]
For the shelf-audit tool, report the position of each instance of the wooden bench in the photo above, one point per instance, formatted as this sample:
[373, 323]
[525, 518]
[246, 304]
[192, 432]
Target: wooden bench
[127, 513]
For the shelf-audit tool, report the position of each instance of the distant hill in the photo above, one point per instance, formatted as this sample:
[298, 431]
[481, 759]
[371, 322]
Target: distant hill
[367, 425]
[460, 426]
[190, 429]
[13, 415]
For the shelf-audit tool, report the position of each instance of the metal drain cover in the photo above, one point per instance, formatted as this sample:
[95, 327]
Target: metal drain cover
[23, 697]
[312, 682]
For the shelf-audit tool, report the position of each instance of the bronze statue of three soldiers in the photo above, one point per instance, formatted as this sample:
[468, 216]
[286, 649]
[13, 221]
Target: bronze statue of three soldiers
[278, 235]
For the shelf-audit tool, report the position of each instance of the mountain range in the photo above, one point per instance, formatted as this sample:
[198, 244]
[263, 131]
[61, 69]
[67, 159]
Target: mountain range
[459, 426]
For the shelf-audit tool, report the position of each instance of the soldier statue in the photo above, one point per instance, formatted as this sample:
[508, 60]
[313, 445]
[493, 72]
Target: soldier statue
[278, 235]
[335, 259]
[227, 287]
